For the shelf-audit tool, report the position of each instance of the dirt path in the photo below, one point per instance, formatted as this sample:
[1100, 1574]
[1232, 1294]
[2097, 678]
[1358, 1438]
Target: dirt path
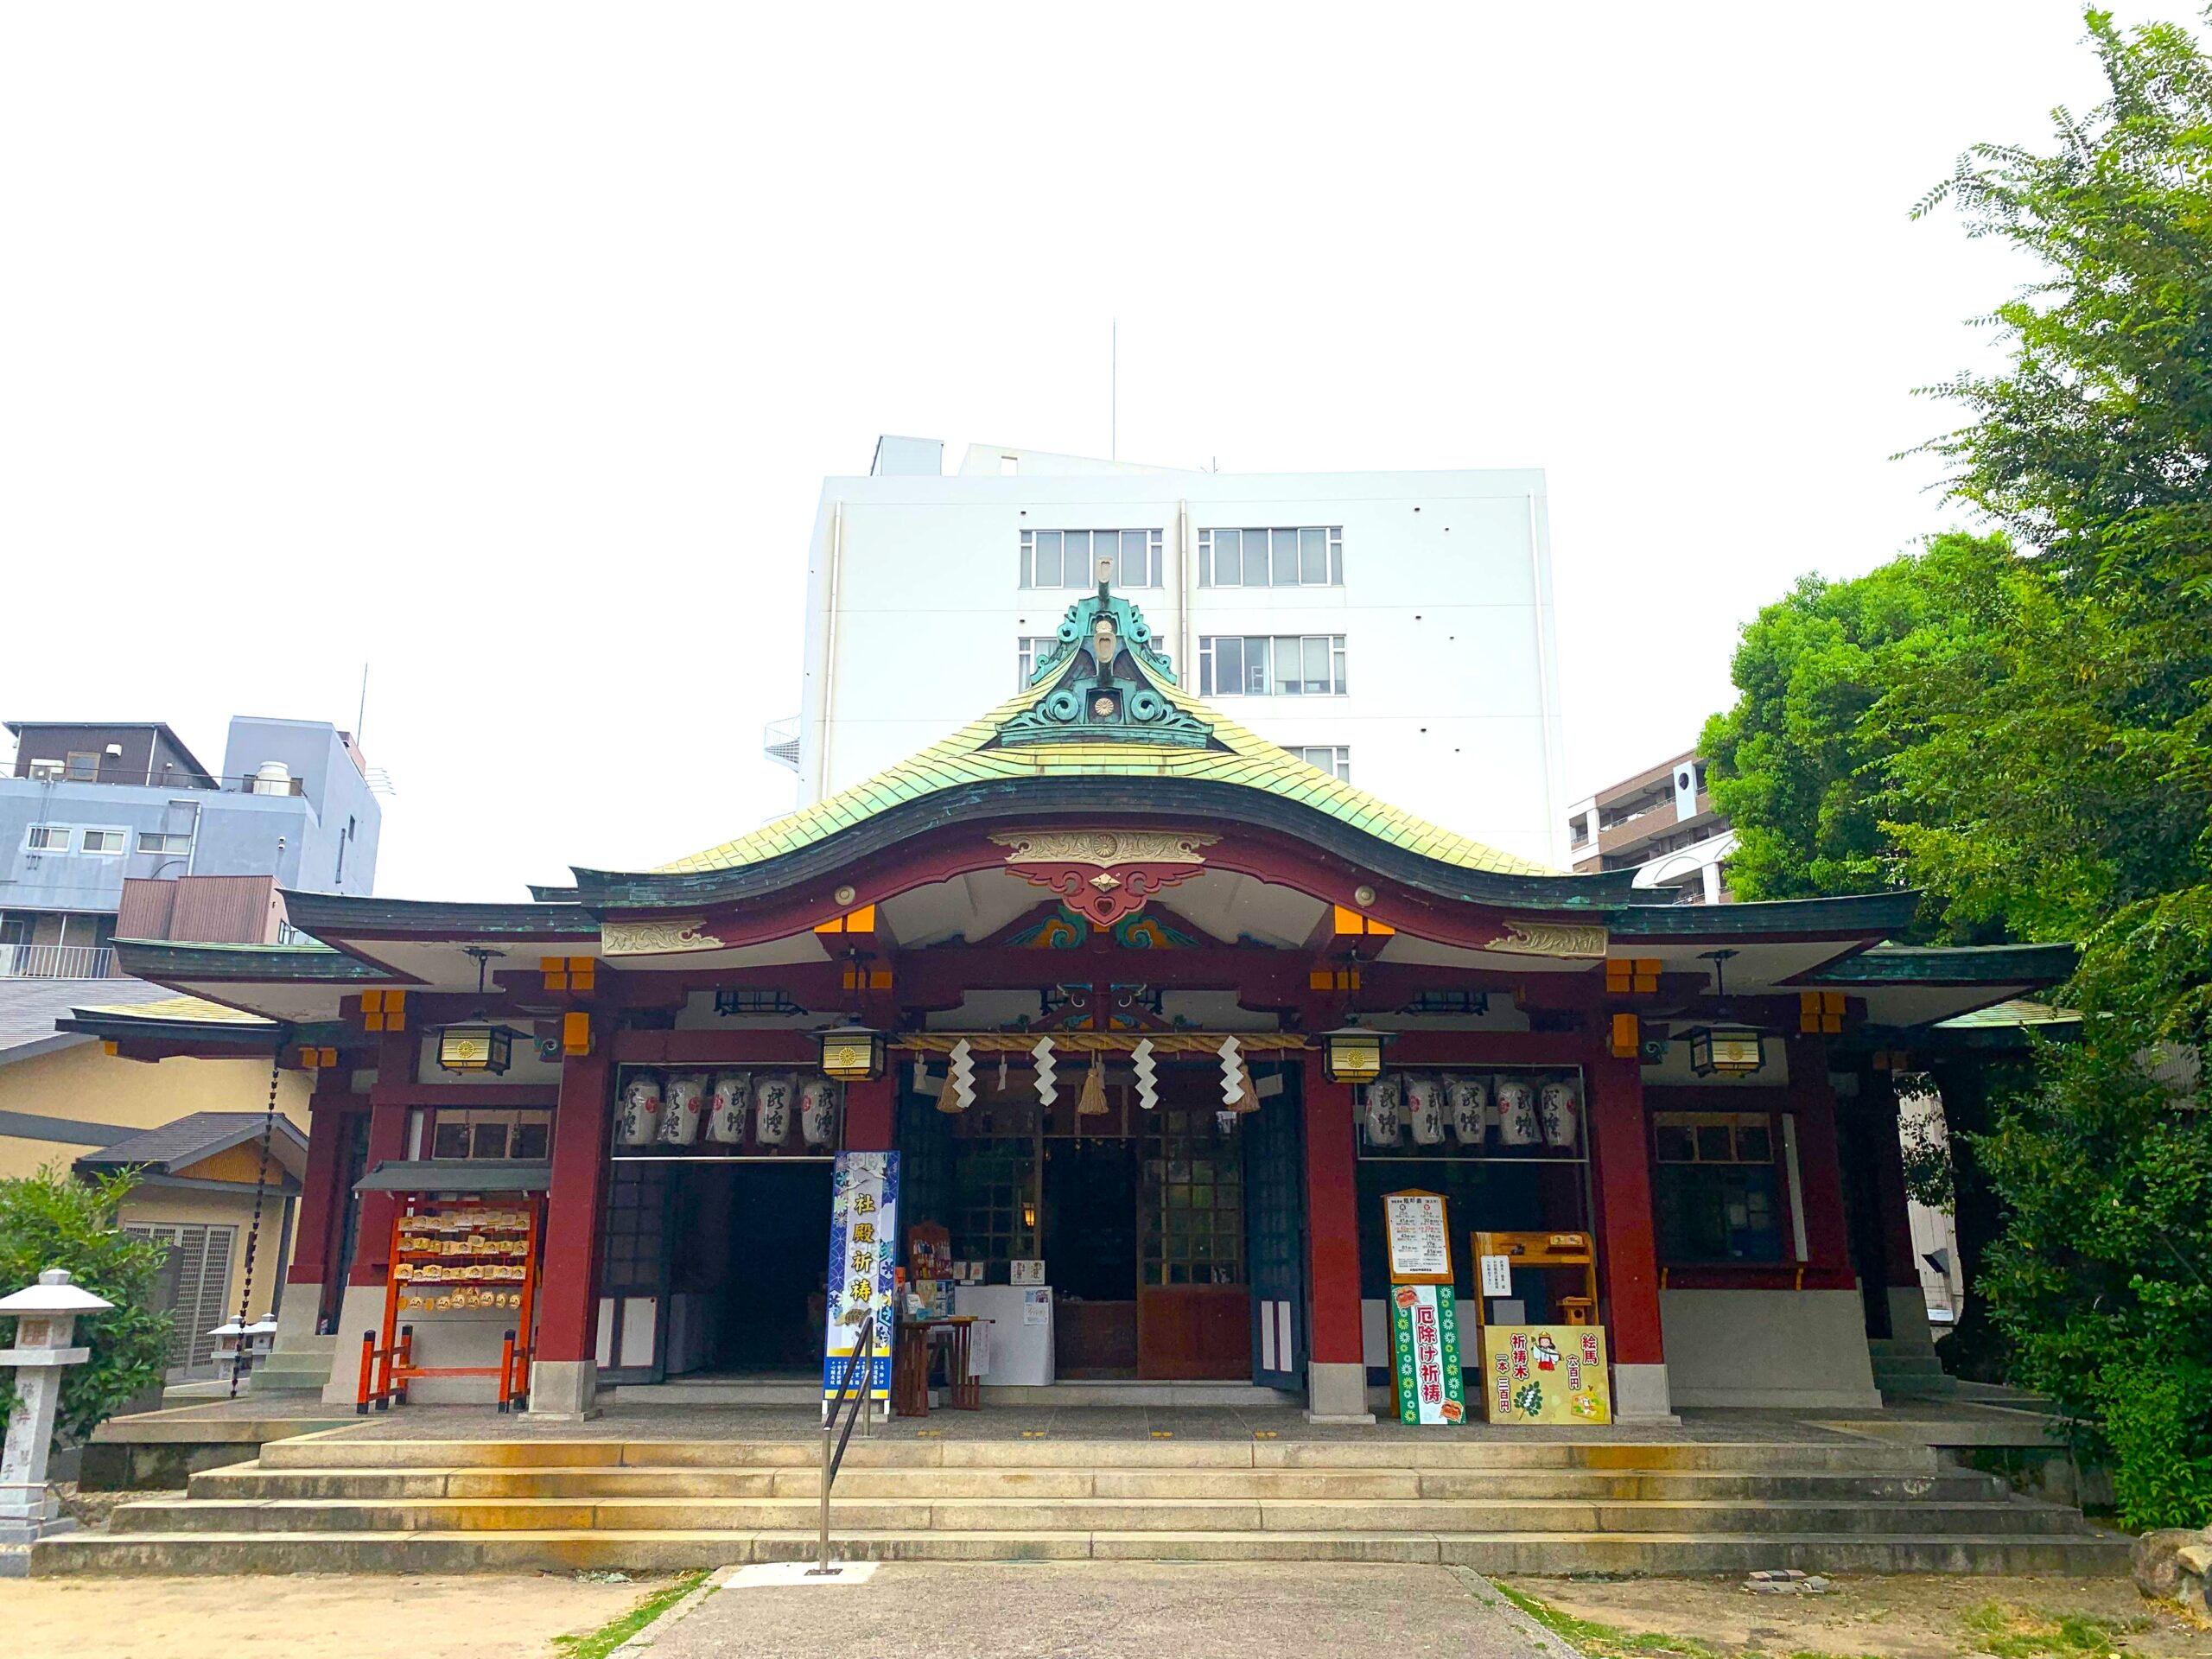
[308, 1616]
[1908, 1616]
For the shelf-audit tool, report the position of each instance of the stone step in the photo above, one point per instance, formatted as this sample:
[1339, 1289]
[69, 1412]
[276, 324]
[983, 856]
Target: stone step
[247, 1481]
[1487, 1552]
[340, 1450]
[2008, 1517]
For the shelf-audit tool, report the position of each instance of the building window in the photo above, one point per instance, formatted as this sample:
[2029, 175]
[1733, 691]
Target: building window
[1029, 650]
[1305, 557]
[1333, 759]
[1192, 1213]
[153, 841]
[1069, 558]
[83, 766]
[523, 1136]
[1277, 665]
[1716, 1188]
[49, 838]
[105, 841]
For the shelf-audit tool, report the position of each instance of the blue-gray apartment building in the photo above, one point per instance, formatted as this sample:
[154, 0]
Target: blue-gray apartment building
[94, 814]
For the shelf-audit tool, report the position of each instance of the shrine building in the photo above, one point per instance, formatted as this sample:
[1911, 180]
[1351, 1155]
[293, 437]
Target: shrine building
[1154, 1014]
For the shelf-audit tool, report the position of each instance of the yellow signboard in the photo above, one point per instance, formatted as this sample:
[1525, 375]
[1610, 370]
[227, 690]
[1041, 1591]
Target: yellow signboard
[1545, 1374]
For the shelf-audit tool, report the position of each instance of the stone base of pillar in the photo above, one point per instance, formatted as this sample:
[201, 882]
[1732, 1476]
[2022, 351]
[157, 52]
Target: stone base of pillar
[1336, 1392]
[563, 1391]
[1909, 1327]
[1640, 1396]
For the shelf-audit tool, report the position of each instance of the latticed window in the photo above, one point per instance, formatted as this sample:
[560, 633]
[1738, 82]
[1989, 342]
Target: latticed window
[193, 1289]
[1193, 1228]
[636, 1227]
[995, 1202]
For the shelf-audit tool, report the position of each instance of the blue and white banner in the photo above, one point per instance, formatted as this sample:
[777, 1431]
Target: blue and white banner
[863, 1266]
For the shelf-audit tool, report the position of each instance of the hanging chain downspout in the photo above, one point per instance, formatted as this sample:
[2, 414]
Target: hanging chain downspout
[241, 1359]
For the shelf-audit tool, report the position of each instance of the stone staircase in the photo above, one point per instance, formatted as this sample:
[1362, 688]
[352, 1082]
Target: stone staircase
[339, 1502]
[1908, 1371]
[302, 1366]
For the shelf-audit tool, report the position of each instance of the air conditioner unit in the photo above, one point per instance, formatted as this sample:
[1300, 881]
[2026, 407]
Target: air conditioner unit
[46, 772]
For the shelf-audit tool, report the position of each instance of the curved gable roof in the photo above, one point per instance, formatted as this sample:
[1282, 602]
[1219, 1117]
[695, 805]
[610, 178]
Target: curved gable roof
[1013, 743]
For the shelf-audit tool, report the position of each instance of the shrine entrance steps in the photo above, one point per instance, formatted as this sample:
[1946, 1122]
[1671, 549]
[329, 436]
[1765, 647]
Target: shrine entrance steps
[341, 1502]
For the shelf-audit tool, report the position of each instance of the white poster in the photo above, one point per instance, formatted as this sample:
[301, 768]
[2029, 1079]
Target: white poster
[1498, 1275]
[1419, 1249]
[863, 1266]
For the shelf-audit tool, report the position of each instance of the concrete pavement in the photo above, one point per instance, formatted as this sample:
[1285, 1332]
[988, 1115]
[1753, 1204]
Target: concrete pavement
[1106, 1610]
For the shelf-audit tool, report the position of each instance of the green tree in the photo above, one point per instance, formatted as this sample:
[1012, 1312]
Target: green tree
[52, 1220]
[2021, 725]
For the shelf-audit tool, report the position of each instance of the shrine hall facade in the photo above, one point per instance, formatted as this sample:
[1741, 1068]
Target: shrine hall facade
[1120, 959]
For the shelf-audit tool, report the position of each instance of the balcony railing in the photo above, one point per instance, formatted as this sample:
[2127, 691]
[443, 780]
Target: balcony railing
[780, 741]
[56, 962]
[55, 772]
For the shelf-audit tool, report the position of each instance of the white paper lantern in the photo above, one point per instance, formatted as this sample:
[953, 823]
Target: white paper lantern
[1518, 1124]
[1382, 1119]
[638, 1123]
[1560, 1104]
[818, 1101]
[773, 1100]
[725, 1108]
[1467, 1105]
[1425, 1111]
[680, 1113]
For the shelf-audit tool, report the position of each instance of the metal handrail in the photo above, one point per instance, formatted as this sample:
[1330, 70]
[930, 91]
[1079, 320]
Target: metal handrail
[863, 1351]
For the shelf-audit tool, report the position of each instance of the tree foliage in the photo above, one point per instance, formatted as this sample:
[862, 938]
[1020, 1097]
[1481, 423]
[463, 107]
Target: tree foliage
[52, 1220]
[2021, 724]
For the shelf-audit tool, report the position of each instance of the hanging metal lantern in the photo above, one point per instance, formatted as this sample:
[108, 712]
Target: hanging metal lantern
[1353, 1054]
[476, 1048]
[1726, 1051]
[851, 1053]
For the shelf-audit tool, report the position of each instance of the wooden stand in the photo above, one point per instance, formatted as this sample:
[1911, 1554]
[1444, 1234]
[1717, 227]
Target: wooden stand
[1544, 1252]
[454, 1251]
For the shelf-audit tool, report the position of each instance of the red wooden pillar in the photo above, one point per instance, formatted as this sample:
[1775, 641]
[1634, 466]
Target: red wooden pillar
[564, 1375]
[322, 1204]
[1820, 1161]
[1627, 1250]
[1335, 1372]
[396, 1051]
[872, 1113]
[1900, 1263]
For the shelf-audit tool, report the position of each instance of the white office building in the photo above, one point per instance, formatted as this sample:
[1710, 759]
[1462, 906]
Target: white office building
[1394, 628]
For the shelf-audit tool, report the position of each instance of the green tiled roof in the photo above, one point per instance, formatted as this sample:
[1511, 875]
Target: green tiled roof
[972, 755]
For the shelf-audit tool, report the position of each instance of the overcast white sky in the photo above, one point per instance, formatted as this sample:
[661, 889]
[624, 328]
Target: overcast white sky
[506, 348]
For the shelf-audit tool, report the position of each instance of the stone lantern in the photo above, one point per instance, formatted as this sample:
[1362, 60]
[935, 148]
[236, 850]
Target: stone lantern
[45, 1316]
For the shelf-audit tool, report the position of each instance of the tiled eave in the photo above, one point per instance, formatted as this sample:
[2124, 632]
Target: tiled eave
[1189, 799]
[1973, 964]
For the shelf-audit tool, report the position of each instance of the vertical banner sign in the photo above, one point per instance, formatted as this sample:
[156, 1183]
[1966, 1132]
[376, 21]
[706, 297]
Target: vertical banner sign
[863, 1266]
[1424, 1313]
[1425, 1340]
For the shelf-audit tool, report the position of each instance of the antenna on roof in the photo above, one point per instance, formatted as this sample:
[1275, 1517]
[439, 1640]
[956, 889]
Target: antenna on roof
[361, 716]
[1114, 393]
